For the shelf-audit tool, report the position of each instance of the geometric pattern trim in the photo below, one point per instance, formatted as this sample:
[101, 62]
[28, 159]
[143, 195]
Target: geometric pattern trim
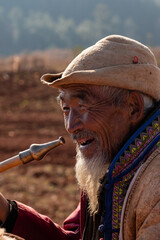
[126, 167]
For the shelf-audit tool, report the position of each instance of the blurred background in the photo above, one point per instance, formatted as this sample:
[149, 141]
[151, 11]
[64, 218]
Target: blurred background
[36, 37]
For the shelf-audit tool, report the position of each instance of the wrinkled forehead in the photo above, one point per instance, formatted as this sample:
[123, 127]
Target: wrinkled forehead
[83, 92]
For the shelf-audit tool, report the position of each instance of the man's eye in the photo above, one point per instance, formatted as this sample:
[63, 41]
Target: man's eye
[82, 107]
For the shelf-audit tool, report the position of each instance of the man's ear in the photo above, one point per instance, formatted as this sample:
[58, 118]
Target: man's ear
[136, 107]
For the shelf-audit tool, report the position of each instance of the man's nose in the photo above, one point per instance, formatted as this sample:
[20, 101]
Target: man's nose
[74, 122]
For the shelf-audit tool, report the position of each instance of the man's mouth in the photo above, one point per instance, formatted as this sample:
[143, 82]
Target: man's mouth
[85, 142]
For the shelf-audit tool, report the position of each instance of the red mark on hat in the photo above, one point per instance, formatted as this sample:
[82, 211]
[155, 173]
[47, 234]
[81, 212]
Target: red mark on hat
[135, 61]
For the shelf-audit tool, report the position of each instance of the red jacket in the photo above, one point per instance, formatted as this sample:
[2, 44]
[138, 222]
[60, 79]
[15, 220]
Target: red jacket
[33, 226]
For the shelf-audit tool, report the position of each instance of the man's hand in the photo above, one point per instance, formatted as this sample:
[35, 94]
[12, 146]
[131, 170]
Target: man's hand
[4, 208]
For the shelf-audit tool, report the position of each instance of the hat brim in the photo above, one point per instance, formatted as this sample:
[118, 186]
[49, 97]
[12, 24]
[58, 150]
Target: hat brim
[141, 77]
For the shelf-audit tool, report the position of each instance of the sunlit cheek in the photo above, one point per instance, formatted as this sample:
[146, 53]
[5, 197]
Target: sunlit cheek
[101, 129]
[65, 122]
[104, 137]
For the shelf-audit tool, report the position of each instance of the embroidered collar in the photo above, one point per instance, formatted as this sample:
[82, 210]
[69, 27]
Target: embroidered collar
[123, 168]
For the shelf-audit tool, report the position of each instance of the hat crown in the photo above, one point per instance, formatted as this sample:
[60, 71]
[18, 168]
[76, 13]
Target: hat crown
[111, 51]
[115, 61]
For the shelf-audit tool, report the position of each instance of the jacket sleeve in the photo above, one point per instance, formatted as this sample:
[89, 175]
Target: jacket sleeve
[148, 205]
[142, 220]
[148, 212]
[31, 225]
[150, 229]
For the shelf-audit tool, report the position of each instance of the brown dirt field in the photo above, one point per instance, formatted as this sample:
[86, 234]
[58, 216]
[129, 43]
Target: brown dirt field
[30, 114]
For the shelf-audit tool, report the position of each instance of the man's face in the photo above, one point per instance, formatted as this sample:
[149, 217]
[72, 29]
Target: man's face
[93, 121]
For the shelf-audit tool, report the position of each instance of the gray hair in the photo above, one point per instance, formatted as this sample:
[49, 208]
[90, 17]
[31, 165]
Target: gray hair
[149, 102]
[117, 95]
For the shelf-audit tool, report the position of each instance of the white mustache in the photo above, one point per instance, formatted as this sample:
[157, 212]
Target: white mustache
[84, 134]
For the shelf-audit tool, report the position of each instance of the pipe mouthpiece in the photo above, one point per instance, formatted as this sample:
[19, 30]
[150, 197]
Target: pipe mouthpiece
[38, 151]
[62, 140]
[35, 152]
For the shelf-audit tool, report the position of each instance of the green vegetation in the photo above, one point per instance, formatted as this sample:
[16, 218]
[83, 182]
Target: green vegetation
[31, 25]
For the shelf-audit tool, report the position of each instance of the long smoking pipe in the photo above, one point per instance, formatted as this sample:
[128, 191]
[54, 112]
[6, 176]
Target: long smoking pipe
[35, 152]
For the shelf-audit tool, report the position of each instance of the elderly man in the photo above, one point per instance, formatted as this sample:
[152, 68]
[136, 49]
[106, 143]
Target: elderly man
[109, 96]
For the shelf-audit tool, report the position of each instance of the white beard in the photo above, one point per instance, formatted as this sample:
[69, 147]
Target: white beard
[88, 174]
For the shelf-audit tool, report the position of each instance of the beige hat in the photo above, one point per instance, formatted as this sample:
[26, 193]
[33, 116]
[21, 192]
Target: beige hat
[114, 61]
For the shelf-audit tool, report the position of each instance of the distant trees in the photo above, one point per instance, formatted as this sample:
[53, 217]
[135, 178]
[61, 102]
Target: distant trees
[67, 24]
